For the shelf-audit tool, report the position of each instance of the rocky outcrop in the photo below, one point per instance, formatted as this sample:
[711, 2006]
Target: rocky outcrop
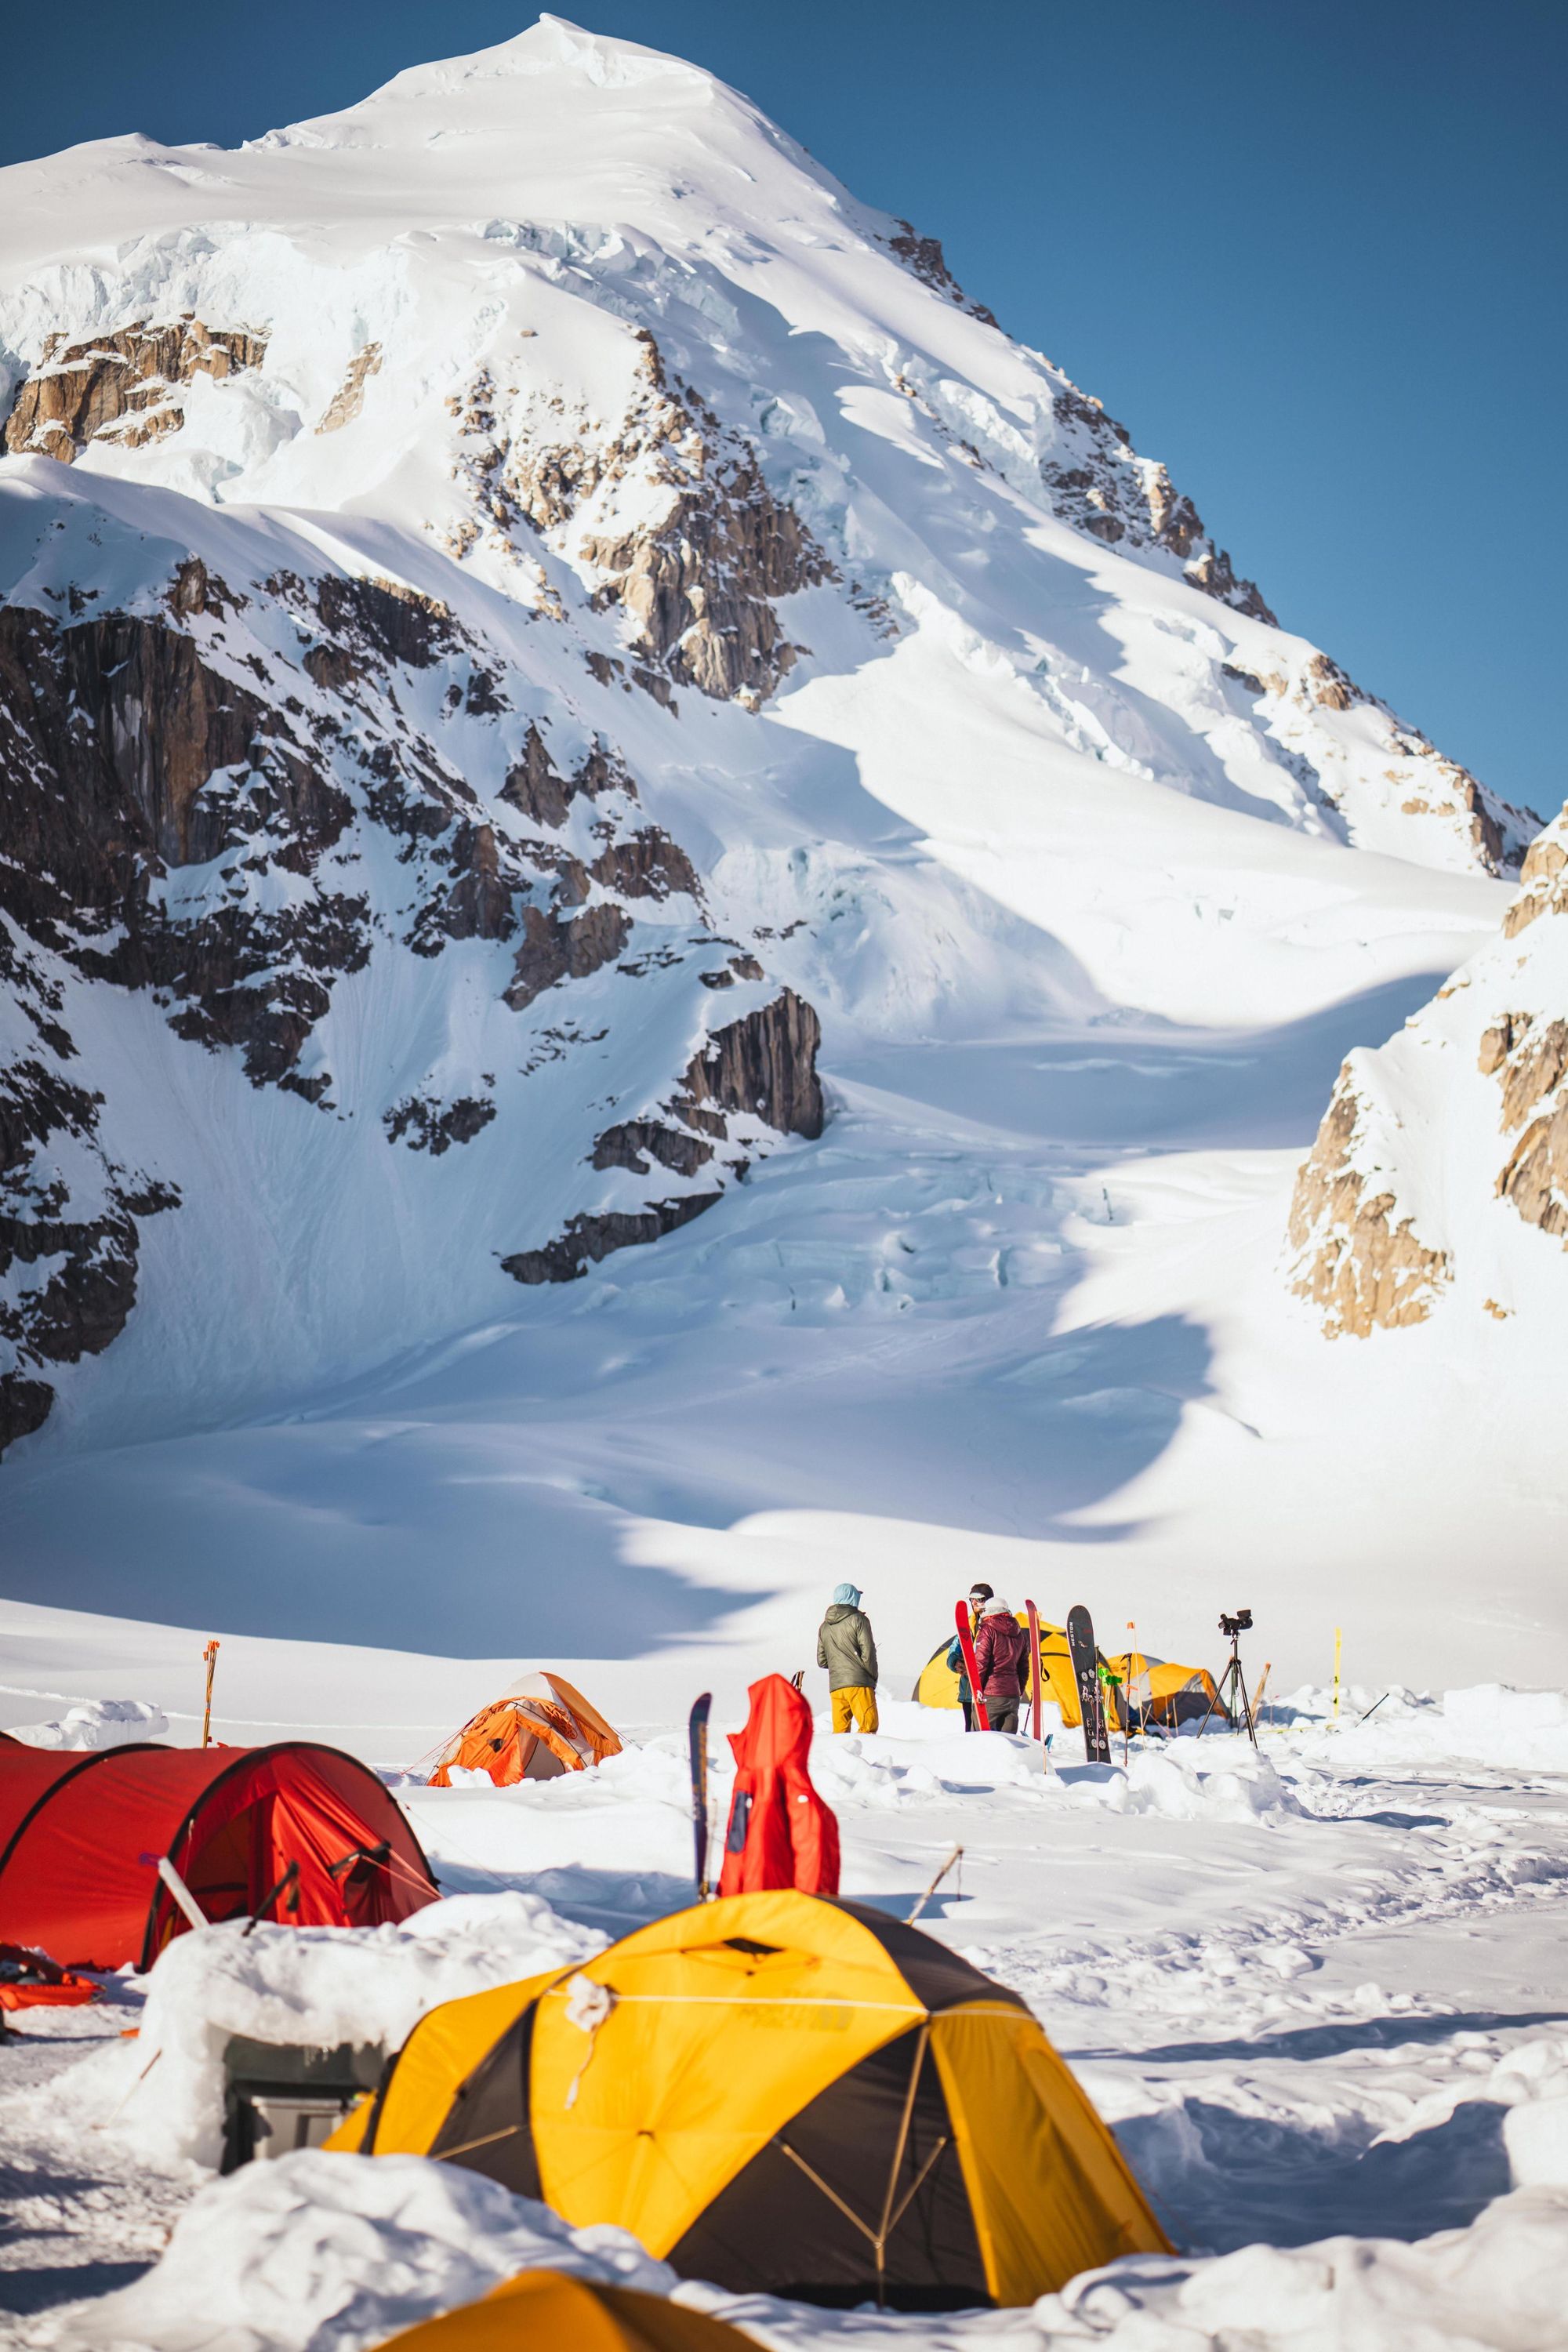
[121, 387]
[69, 1232]
[1542, 878]
[1528, 1056]
[761, 1066]
[924, 257]
[534, 788]
[648, 865]
[1420, 1118]
[1101, 485]
[125, 755]
[348, 398]
[434, 1127]
[1495, 833]
[637, 1140]
[697, 585]
[555, 948]
[589, 1238]
[1360, 1262]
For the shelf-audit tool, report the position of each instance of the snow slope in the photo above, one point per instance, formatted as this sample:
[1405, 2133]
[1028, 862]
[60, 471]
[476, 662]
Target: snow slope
[541, 598]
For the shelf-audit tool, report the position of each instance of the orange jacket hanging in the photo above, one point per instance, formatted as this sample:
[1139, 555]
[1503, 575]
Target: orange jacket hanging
[781, 1833]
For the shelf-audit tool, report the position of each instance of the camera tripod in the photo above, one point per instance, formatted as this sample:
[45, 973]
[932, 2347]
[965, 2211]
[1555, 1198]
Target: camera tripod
[1232, 1690]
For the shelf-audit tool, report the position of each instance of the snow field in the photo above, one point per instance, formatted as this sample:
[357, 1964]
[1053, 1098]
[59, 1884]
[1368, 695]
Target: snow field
[1317, 1990]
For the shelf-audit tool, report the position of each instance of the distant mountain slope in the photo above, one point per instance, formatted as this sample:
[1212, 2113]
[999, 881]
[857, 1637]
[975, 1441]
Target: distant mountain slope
[1442, 1161]
[525, 610]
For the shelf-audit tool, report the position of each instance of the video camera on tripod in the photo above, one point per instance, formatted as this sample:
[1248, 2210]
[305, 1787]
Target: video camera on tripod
[1230, 1695]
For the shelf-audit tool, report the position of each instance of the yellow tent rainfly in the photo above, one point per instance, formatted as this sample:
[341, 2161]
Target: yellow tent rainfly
[780, 2094]
[540, 2311]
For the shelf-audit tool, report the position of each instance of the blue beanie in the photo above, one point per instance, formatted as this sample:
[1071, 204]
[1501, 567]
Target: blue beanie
[847, 1594]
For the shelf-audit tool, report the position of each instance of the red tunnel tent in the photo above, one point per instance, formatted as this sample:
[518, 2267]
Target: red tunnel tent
[81, 1838]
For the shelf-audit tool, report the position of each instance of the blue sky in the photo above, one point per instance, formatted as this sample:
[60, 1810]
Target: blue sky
[1314, 259]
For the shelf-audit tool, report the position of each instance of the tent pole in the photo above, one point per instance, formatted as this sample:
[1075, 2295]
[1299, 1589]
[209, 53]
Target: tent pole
[884, 2226]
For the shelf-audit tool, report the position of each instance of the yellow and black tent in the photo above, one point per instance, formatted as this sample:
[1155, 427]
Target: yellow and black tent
[542, 2310]
[781, 2093]
[1158, 1690]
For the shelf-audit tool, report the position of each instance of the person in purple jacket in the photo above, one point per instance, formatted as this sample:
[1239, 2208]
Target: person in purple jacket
[1000, 1646]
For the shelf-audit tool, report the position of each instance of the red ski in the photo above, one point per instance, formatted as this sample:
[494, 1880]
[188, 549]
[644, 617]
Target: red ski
[1036, 1678]
[966, 1643]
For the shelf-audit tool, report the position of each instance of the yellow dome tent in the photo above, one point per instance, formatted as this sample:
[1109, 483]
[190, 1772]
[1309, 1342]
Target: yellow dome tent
[784, 2094]
[540, 2310]
[1159, 1690]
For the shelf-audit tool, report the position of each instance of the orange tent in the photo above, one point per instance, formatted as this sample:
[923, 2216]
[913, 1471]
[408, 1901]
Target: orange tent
[541, 1727]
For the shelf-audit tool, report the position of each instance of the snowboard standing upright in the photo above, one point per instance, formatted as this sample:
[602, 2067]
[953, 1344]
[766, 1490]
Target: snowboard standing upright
[1086, 1676]
[698, 1741]
[966, 1643]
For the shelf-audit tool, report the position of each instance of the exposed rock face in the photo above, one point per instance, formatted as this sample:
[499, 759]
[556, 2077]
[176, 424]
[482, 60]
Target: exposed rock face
[195, 799]
[121, 387]
[762, 1067]
[555, 949]
[587, 1239]
[1422, 783]
[1104, 489]
[633, 1144]
[69, 1237]
[1359, 1261]
[1543, 880]
[348, 398]
[697, 585]
[123, 755]
[1488, 1056]
[434, 1127]
[924, 255]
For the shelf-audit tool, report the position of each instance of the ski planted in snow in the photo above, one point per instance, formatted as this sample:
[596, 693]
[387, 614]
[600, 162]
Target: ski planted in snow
[698, 1733]
[1086, 1676]
[966, 1643]
[1037, 1676]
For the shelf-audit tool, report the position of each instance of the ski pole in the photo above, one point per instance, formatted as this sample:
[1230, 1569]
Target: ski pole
[956, 1855]
[1373, 1707]
[210, 1655]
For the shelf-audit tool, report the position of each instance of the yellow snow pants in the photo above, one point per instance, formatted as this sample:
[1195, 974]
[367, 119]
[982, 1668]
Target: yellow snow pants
[855, 1708]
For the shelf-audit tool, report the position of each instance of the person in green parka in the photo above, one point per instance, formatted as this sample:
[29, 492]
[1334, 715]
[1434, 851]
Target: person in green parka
[846, 1647]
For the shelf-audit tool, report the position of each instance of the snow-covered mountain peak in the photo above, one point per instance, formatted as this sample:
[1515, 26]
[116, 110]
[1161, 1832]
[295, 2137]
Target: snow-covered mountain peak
[523, 609]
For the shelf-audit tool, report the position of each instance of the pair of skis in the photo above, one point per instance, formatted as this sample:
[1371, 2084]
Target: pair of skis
[972, 1670]
[1085, 1659]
